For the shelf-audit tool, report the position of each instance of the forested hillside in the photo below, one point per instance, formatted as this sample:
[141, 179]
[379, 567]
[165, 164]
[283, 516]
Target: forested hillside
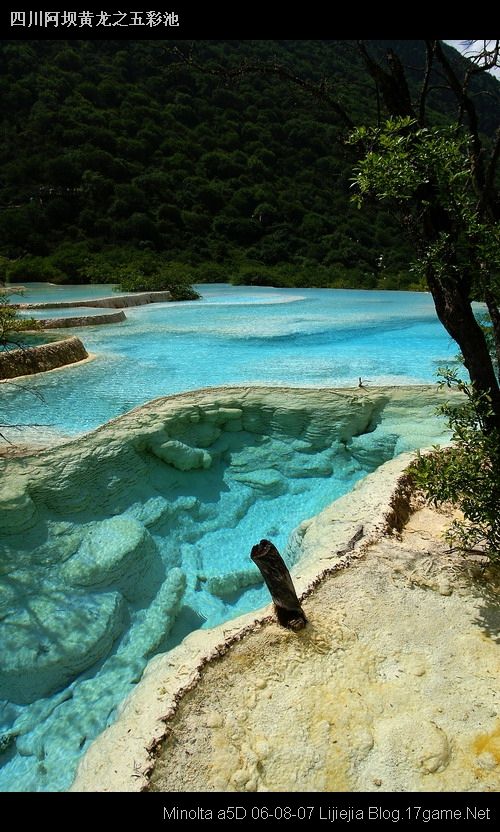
[116, 154]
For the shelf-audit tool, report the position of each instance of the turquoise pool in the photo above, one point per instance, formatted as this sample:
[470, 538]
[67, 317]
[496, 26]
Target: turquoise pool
[234, 335]
[55, 293]
[200, 523]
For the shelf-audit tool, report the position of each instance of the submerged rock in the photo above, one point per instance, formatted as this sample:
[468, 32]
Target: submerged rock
[52, 637]
[181, 456]
[117, 552]
[103, 538]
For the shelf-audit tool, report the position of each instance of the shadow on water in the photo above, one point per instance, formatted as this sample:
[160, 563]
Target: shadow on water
[7, 748]
[37, 628]
[187, 620]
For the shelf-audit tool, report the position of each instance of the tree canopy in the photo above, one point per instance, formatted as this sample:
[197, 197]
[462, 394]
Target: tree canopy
[110, 144]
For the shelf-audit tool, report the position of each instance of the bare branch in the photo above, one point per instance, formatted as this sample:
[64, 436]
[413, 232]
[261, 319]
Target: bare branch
[466, 105]
[483, 57]
[488, 201]
[392, 84]
[23, 389]
[319, 90]
[429, 48]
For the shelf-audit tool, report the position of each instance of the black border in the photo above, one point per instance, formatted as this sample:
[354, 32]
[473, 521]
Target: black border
[256, 20]
[261, 810]
[260, 20]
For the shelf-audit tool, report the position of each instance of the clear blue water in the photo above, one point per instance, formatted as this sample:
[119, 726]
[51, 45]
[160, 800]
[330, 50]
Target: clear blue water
[65, 312]
[235, 335]
[199, 522]
[53, 293]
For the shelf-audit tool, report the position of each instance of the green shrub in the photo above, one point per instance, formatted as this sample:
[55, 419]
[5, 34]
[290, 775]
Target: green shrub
[31, 268]
[71, 259]
[11, 324]
[174, 277]
[468, 473]
[212, 273]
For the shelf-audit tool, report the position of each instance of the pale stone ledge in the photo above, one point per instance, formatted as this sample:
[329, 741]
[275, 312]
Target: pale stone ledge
[25, 362]
[83, 320]
[113, 302]
[123, 755]
[84, 503]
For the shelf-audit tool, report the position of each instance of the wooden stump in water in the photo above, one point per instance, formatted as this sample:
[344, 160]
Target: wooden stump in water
[279, 583]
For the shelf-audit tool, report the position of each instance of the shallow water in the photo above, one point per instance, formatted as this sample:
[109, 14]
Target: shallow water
[234, 335]
[198, 523]
[115, 546]
[55, 293]
[66, 312]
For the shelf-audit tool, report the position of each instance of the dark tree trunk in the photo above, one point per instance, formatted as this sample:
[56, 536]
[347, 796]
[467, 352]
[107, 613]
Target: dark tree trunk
[455, 313]
[495, 320]
[279, 583]
[451, 293]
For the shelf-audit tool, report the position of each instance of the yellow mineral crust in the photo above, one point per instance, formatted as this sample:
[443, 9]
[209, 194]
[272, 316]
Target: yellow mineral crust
[391, 687]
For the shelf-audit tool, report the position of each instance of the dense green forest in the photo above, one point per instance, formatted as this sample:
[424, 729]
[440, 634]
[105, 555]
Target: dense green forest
[121, 163]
